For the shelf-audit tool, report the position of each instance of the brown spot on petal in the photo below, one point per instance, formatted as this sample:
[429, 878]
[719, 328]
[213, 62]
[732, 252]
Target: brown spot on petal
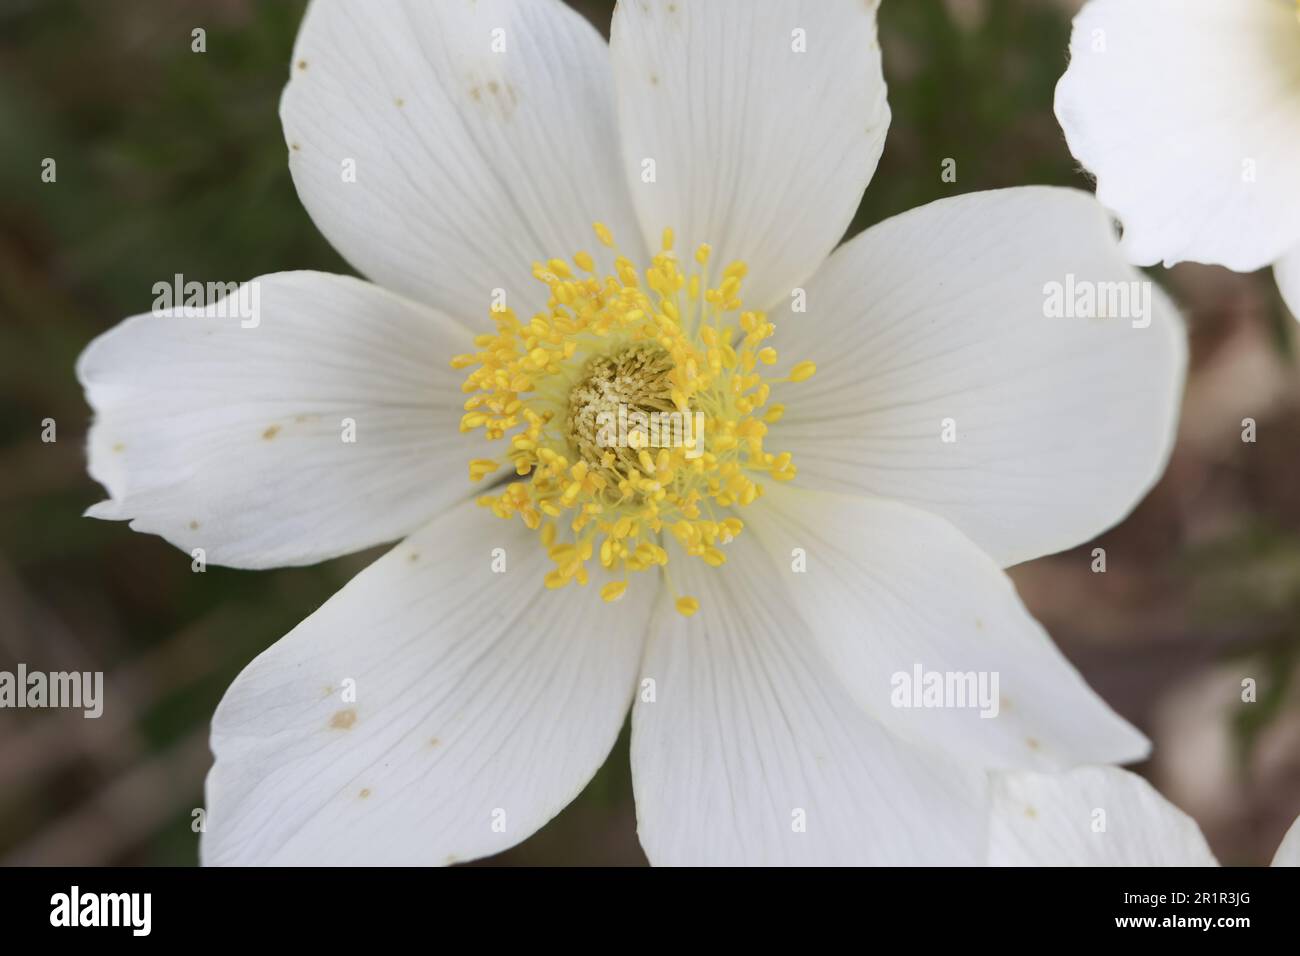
[194, 526]
[271, 432]
[1032, 743]
[496, 97]
[344, 719]
[365, 792]
[302, 64]
[434, 742]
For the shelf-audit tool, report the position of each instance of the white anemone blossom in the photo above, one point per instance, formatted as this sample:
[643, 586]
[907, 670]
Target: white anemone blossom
[1098, 816]
[519, 191]
[1188, 114]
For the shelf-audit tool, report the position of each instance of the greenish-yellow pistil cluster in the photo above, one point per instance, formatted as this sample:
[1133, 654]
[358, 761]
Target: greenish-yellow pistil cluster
[662, 344]
[634, 380]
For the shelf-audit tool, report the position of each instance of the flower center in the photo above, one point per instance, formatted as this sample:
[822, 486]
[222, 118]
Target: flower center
[635, 407]
[612, 409]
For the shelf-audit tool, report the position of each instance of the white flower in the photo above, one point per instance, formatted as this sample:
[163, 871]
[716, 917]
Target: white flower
[1188, 114]
[1098, 816]
[487, 137]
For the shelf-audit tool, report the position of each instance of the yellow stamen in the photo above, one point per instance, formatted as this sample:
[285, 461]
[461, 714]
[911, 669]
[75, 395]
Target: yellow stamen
[632, 407]
[803, 371]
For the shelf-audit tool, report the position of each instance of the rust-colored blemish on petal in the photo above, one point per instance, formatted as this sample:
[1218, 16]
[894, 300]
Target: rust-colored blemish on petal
[501, 98]
[344, 719]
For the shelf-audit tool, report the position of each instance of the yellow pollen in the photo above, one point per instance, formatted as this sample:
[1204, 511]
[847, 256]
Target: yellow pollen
[613, 590]
[803, 371]
[687, 606]
[633, 408]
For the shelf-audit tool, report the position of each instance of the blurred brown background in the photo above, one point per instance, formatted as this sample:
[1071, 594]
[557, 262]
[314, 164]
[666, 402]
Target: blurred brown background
[171, 161]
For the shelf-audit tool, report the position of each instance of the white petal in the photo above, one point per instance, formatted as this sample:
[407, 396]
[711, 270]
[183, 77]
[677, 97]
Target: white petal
[752, 754]
[1287, 272]
[1188, 114]
[758, 149]
[938, 318]
[894, 594]
[230, 434]
[470, 163]
[1090, 816]
[1288, 852]
[483, 705]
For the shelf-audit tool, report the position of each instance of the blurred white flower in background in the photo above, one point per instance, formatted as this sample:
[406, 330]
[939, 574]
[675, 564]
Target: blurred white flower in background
[1188, 114]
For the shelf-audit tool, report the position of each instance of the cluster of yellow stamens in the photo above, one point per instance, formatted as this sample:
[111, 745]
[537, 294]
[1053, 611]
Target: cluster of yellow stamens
[662, 345]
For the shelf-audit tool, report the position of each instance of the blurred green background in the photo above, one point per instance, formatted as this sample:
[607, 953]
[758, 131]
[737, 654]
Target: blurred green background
[173, 162]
